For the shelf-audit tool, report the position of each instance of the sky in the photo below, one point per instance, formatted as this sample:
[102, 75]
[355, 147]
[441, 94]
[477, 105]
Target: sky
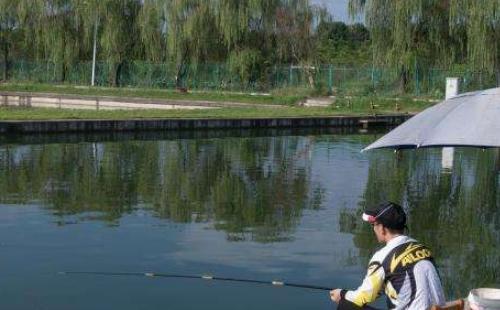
[337, 7]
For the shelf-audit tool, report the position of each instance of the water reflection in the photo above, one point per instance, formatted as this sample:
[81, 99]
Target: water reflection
[297, 194]
[454, 212]
[251, 188]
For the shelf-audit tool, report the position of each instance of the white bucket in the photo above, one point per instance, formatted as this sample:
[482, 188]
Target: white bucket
[484, 299]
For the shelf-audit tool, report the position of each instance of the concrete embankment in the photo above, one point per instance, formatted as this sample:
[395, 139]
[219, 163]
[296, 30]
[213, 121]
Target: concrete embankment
[53, 126]
[68, 101]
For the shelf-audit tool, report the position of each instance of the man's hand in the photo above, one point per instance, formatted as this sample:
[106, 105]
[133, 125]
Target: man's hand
[335, 295]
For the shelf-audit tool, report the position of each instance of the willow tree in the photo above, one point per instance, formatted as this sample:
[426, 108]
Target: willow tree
[88, 14]
[30, 18]
[179, 31]
[245, 37]
[117, 34]
[259, 33]
[51, 32]
[407, 33]
[8, 23]
[295, 23]
[477, 25]
[189, 31]
[151, 23]
[61, 37]
[247, 23]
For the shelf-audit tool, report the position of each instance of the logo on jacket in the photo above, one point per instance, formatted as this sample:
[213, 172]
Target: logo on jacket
[412, 254]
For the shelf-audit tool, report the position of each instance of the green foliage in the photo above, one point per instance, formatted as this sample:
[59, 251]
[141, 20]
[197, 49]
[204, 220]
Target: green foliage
[476, 25]
[183, 32]
[433, 33]
[407, 32]
[252, 38]
[246, 64]
[339, 43]
[8, 33]
[150, 22]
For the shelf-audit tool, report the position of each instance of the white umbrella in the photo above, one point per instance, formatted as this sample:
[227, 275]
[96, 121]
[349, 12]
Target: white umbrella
[470, 119]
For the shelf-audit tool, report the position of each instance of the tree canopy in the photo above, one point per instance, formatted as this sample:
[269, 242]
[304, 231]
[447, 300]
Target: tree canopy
[249, 36]
[433, 33]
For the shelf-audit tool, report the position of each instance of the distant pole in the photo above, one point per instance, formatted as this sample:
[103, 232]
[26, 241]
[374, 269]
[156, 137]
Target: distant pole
[447, 155]
[417, 82]
[276, 76]
[451, 87]
[94, 53]
[448, 152]
[330, 80]
[373, 69]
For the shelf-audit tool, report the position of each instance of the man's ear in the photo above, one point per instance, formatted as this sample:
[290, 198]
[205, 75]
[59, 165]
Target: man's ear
[385, 231]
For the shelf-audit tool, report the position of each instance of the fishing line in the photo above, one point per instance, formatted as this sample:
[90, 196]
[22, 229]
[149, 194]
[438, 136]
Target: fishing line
[203, 277]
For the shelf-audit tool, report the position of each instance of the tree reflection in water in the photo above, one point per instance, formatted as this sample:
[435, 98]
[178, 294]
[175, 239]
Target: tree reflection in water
[251, 188]
[257, 188]
[456, 213]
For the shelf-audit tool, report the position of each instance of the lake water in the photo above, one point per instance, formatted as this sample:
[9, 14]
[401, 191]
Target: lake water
[265, 205]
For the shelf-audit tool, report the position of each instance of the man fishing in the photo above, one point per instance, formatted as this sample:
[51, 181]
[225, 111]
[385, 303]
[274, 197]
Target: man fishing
[404, 268]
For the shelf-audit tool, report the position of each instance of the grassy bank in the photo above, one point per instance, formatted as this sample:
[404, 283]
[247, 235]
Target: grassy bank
[356, 108]
[46, 114]
[286, 99]
[281, 97]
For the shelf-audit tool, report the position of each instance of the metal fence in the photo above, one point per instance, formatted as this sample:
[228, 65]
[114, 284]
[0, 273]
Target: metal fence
[324, 78]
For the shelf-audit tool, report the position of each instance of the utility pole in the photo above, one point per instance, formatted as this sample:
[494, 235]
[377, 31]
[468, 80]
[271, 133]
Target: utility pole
[447, 153]
[94, 52]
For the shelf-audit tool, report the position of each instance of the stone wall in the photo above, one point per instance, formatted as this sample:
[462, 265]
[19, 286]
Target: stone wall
[182, 124]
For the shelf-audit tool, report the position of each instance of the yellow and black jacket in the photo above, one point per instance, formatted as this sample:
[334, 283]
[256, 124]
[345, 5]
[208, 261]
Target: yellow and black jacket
[405, 270]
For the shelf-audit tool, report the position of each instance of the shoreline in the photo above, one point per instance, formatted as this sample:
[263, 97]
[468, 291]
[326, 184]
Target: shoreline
[152, 124]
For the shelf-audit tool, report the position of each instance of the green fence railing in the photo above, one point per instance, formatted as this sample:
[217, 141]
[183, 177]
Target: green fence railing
[326, 78]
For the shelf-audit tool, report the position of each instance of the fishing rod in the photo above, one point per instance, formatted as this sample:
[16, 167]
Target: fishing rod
[203, 277]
